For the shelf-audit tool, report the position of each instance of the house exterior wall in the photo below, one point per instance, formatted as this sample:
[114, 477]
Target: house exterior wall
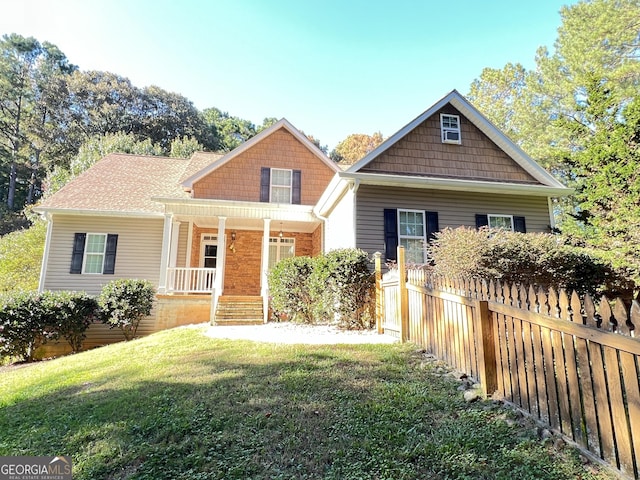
[340, 225]
[421, 152]
[137, 256]
[454, 209]
[239, 179]
[181, 257]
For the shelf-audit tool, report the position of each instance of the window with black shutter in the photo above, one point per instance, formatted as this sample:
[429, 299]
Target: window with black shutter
[94, 253]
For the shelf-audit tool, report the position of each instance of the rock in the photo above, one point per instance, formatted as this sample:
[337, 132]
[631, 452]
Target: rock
[471, 396]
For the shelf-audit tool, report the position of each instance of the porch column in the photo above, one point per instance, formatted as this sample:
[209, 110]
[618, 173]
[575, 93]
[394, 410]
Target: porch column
[166, 248]
[264, 281]
[173, 248]
[222, 256]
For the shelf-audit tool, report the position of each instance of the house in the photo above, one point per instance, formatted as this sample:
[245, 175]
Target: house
[206, 230]
[448, 167]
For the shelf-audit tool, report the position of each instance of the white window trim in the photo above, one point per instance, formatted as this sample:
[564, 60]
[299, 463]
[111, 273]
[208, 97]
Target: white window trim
[212, 240]
[271, 185]
[498, 215]
[423, 237]
[281, 242]
[84, 254]
[444, 130]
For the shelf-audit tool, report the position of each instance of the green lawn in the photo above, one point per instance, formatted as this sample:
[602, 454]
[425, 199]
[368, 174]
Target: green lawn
[180, 405]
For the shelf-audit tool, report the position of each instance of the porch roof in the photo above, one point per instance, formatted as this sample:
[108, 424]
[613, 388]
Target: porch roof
[241, 214]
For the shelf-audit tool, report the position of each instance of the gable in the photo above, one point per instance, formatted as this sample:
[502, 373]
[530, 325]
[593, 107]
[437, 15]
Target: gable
[239, 178]
[421, 152]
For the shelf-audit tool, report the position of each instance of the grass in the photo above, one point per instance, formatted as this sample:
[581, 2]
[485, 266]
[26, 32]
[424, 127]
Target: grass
[180, 405]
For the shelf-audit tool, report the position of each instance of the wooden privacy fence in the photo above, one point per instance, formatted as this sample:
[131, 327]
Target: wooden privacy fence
[568, 362]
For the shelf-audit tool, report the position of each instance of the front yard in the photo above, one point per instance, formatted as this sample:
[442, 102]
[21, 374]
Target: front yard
[180, 405]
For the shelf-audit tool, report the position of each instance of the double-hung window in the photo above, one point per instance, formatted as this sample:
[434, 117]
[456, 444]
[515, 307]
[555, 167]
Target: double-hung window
[94, 253]
[412, 234]
[280, 185]
[450, 128]
[513, 223]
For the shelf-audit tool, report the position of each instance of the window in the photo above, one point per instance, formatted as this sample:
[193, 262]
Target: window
[500, 221]
[507, 222]
[208, 251]
[410, 229]
[94, 253]
[450, 127]
[412, 234]
[278, 185]
[281, 248]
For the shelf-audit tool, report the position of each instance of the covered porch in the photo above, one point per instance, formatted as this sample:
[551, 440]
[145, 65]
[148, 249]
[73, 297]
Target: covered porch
[224, 250]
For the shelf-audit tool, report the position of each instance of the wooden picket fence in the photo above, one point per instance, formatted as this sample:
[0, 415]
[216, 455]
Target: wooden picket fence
[570, 362]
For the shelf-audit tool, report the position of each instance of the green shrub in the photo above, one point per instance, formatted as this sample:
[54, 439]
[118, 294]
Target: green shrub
[124, 303]
[332, 287]
[348, 287]
[28, 320]
[289, 289]
[71, 313]
[25, 325]
[531, 258]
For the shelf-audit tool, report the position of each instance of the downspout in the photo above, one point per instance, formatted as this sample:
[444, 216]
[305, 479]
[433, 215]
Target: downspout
[45, 256]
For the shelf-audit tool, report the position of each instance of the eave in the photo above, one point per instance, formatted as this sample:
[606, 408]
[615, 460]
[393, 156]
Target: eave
[435, 183]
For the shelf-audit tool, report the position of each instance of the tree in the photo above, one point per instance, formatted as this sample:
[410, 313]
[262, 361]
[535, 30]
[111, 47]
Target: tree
[607, 179]
[543, 110]
[228, 131]
[28, 73]
[355, 147]
[184, 147]
[21, 258]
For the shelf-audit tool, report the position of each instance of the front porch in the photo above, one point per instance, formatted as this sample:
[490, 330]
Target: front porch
[220, 250]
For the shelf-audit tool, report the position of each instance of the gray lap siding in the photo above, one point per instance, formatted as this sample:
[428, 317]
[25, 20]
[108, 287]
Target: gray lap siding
[454, 209]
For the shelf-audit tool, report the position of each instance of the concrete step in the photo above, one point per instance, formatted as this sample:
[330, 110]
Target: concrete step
[239, 310]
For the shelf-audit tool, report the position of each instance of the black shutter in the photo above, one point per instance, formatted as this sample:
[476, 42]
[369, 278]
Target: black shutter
[482, 220]
[296, 187]
[110, 255]
[390, 233]
[432, 224]
[265, 183]
[519, 224]
[78, 252]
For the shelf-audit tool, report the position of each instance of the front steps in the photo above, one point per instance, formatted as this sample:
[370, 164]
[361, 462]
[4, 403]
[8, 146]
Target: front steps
[239, 310]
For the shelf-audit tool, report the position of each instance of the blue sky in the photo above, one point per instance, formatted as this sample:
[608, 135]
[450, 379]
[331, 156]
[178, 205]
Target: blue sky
[332, 68]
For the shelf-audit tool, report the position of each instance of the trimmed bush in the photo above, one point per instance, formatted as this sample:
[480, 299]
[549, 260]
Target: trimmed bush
[524, 258]
[328, 288]
[348, 287]
[28, 320]
[25, 325]
[124, 303]
[71, 313]
[290, 291]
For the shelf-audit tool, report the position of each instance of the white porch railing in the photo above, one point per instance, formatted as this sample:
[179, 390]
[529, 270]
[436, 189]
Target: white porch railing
[190, 280]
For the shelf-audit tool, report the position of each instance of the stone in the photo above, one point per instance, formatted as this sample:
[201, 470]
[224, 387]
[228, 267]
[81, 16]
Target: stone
[471, 396]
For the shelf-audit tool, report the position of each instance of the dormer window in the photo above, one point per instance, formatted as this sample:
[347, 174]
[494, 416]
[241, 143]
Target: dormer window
[450, 127]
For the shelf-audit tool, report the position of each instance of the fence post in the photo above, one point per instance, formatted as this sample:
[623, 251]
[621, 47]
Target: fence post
[486, 351]
[379, 293]
[403, 296]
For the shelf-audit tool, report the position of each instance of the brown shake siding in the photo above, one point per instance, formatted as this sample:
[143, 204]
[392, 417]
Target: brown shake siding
[421, 152]
[454, 209]
[239, 179]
